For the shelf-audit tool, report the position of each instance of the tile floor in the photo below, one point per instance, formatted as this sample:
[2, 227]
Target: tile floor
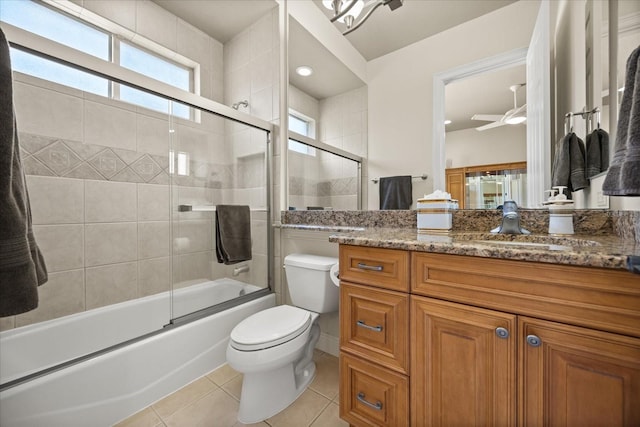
[212, 401]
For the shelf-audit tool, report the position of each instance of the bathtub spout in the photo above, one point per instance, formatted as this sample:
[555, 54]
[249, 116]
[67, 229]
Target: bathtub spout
[241, 269]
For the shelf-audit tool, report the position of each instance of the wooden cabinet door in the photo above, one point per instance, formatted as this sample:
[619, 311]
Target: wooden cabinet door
[571, 376]
[454, 179]
[462, 372]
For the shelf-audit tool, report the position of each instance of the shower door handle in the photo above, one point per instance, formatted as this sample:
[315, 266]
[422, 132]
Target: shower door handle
[372, 328]
[363, 266]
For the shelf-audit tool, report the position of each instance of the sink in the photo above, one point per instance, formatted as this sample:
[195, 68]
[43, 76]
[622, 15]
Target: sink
[551, 242]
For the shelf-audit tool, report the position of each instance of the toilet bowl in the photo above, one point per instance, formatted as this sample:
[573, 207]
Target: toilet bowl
[274, 348]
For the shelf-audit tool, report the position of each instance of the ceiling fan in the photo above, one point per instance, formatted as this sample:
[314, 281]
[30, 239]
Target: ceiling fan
[512, 117]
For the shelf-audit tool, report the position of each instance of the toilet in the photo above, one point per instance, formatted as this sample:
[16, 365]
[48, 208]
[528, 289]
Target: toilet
[274, 348]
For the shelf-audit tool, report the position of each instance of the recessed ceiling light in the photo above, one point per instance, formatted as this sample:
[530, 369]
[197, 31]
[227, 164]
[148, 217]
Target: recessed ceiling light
[304, 71]
[447, 122]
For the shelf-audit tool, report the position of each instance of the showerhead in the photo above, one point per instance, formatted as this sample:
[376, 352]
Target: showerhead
[237, 105]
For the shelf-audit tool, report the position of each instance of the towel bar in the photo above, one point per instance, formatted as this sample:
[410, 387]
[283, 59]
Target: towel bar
[424, 176]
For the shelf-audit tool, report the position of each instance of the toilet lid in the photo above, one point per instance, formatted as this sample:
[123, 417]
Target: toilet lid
[270, 327]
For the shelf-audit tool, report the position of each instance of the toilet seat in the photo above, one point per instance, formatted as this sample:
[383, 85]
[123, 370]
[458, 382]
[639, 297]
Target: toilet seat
[270, 328]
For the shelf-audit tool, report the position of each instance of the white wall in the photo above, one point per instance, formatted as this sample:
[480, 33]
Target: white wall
[401, 95]
[470, 147]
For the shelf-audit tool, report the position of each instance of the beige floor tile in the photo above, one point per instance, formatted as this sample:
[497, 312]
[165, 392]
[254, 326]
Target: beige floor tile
[223, 374]
[183, 397]
[216, 409]
[302, 412]
[330, 417]
[234, 387]
[327, 376]
[145, 418]
[239, 424]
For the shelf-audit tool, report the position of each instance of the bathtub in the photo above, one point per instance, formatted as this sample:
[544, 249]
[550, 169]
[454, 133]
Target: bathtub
[107, 388]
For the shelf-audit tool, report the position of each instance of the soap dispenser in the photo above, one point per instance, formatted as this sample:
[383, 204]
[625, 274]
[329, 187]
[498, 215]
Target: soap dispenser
[560, 213]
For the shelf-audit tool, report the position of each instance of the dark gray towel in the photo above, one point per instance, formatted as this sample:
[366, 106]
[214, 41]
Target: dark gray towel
[22, 268]
[233, 233]
[396, 192]
[597, 152]
[568, 164]
[623, 177]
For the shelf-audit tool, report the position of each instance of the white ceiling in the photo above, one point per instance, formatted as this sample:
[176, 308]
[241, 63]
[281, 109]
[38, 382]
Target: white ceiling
[384, 32]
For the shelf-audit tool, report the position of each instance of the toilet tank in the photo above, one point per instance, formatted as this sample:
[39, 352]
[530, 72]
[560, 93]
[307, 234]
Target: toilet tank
[310, 285]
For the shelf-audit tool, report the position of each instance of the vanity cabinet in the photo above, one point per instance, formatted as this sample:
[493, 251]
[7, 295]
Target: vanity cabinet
[374, 336]
[563, 340]
[488, 342]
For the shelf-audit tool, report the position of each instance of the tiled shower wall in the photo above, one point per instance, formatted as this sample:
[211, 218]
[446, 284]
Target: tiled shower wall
[97, 172]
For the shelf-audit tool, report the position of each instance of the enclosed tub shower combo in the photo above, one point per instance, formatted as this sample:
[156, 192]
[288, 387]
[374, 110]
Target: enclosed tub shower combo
[123, 195]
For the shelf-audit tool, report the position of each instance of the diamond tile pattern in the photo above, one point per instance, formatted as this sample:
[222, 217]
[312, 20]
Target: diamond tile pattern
[107, 163]
[46, 156]
[58, 157]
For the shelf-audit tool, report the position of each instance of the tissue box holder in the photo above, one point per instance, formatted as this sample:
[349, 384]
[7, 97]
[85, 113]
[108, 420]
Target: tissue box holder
[435, 215]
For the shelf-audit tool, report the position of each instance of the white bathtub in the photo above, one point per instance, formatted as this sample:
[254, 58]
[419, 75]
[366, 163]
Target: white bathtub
[106, 389]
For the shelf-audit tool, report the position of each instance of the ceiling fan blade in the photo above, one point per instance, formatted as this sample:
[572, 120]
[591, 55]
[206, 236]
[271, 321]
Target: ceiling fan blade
[491, 126]
[487, 117]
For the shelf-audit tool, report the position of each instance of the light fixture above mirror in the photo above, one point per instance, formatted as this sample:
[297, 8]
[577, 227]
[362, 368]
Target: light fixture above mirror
[347, 11]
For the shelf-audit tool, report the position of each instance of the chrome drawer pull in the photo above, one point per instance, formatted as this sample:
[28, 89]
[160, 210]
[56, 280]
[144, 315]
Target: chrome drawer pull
[373, 328]
[363, 266]
[377, 406]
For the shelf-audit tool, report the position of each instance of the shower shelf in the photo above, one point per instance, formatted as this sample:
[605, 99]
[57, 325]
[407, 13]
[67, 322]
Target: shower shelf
[204, 208]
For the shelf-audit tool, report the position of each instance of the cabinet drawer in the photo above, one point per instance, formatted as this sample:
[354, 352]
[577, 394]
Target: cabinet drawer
[374, 325]
[385, 268]
[371, 395]
[598, 298]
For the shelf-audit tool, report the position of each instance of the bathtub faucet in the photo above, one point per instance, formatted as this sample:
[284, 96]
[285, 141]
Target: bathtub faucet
[241, 269]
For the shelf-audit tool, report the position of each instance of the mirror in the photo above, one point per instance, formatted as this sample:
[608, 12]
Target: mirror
[329, 108]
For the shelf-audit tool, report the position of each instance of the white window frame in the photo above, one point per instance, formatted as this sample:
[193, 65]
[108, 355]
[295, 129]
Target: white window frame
[300, 147]
[117, 34]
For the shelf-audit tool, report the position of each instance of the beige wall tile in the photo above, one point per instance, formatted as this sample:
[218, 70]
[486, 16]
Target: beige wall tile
[193, 266]
[56, 200]
[62, 246]
[110, 243]
[7, 323]
[122, 12]
[154, 276]
[62, 295]
[152, 135]
[48, 112]
[156, 23]
[153, 202]
[192, 236]
[109, 126]
[110, 284]
[107, 201]
[153, 239]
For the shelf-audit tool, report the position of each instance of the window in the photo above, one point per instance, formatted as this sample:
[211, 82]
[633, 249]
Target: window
[304, 126]
[47, 22]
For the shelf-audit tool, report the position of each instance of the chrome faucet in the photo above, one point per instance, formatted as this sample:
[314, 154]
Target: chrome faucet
[510, 220]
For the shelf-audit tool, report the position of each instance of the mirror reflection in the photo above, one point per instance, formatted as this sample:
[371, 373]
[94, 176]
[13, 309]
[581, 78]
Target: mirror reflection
[327, 105]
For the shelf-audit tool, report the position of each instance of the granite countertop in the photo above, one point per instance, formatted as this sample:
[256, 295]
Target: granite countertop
[604, 251]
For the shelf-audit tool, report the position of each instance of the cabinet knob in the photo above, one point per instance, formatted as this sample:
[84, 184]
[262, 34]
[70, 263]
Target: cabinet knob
[534, 341]
[502, 332]
[377, 406]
